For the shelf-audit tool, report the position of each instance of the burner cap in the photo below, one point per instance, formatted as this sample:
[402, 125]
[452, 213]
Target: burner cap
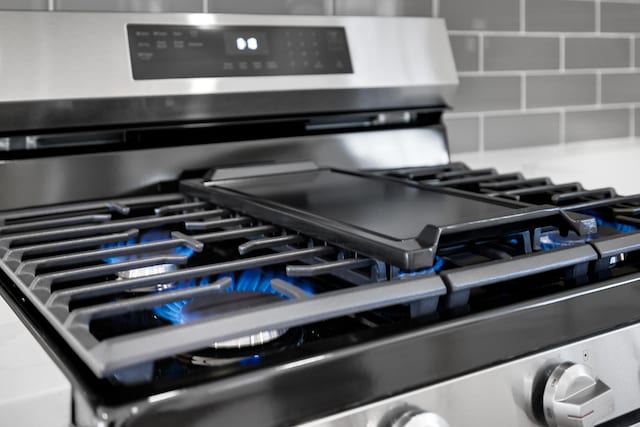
[151, 270]
[228, 302]
[554, 240]
[221, 356]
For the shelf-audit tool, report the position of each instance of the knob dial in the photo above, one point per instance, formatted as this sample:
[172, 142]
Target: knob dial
[418, 418]
[574, 397]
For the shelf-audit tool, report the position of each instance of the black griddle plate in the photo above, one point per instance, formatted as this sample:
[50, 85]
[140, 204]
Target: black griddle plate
[396, 221]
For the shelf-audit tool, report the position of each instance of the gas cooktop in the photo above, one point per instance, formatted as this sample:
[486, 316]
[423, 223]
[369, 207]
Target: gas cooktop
[155, 288]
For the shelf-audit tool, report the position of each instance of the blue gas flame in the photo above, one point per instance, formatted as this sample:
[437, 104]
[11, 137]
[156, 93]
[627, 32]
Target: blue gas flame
[153, 235]
[173, 311]
[554, 240]
[621, 227]
[437, 266]
[250, 360]
[250, 280]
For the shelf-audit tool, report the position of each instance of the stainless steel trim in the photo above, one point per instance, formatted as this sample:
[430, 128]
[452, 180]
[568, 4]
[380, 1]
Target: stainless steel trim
[71, 178]
[53, 56]
[502, 395]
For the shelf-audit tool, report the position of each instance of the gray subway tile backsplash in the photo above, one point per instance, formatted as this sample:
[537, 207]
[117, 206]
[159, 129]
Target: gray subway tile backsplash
[521, 53]
[521, 130]
[384, 8]
[466, 52]
[494, 15]
[592, 52]
[463, 133]
[24, 4]
[599, 124]
[284, 7]
[130, 5]
[485, 93]
[560, 15]
[620, 17]
[563, 90]
[620, 88]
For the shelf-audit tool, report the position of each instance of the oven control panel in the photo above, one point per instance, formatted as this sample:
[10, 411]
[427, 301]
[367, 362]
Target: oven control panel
[175, 51]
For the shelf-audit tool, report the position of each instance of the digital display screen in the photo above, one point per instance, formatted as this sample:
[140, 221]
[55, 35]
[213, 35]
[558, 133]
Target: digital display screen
[183, 51]
[246, 43]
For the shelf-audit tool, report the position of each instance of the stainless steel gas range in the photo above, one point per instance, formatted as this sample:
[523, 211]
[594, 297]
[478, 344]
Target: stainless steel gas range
[241, 220]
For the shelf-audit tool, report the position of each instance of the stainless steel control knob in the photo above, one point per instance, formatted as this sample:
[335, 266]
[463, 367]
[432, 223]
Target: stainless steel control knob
[418, 418]
[574, 397]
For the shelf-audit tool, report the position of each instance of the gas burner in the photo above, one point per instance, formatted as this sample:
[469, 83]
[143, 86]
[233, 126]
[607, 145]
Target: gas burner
[259, 338]
[152, 235]
[149, 271]
[148, 236]
[249, 288]
[248, 355]
[554, 240]
[229, 302]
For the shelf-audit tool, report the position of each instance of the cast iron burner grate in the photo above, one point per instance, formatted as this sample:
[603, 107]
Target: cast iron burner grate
[80, 264]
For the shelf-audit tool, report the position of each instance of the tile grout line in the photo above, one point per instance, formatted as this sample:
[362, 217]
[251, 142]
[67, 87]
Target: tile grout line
[563, 127]
[598, 89]
[545, 110]
[51, 6]
[563, 53]
[547, 34]
[598, 14]
[481, 141]
[551, 72]
[523, 91]
[205, 6]
[632, 51]
[522, 16]
[632, 121]
[435, 8]
[480, 53]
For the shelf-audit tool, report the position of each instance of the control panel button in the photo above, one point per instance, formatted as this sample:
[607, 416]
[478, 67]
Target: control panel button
[574, 397]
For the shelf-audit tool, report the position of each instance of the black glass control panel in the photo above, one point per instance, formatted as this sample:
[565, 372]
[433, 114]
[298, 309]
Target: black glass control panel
[174, 51]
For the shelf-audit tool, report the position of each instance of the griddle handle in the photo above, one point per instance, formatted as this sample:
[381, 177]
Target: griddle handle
[580, 223]
[515, 268]
[429, 237]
